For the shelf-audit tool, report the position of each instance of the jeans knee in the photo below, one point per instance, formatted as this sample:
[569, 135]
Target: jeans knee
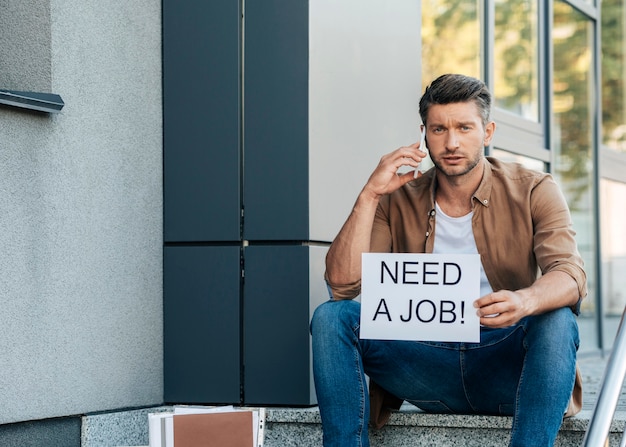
[557, 327]
[334, 313]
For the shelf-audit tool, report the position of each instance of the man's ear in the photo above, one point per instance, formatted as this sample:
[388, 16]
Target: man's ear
[490, 129]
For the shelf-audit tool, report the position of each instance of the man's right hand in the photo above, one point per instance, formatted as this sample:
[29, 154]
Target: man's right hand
[385, 178]
[343, 261]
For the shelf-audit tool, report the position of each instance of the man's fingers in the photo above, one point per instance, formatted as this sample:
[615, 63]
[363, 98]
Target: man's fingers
[486, 300]
[407, 176]
[490, 305]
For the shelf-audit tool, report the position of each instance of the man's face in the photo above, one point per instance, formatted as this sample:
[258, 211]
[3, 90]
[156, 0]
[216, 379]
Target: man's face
[456, 137]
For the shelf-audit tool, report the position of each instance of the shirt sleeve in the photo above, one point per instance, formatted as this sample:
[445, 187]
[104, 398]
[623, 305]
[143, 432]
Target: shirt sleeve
[554, 237]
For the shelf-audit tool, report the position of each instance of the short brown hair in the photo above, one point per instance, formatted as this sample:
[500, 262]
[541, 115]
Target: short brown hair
[452, 88]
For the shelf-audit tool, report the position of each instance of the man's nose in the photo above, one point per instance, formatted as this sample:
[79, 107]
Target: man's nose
[452, 142]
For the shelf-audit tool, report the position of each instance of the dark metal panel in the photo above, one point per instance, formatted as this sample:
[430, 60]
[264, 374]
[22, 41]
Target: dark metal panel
[276, 326]
[276, 120]
[202, 324]
[201, 99]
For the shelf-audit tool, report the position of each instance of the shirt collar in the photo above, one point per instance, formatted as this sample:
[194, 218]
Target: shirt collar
[483, 193]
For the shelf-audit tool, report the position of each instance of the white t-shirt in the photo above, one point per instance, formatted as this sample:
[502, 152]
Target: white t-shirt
[455, 235]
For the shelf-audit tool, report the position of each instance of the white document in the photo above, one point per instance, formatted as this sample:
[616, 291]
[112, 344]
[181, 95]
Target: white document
[161, 429]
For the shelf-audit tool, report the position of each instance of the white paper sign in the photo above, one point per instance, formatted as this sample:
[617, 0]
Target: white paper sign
[421, 297]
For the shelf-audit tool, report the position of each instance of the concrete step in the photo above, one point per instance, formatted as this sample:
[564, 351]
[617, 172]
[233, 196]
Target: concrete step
[301, 427]
[288, 427]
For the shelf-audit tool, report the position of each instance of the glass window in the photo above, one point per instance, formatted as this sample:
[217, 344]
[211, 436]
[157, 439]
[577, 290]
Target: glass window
[450, 38]
[516, 56]
[613, 80]
[528, 162]
[572, 140]
[613, 216]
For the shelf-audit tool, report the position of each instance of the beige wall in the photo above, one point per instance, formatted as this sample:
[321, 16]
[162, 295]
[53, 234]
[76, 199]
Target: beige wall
[364, 88]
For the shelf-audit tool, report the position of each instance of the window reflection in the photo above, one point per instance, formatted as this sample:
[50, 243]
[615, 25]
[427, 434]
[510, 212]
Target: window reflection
[613, 216]
[450, 38]
[573, 140]
[516, 87]
[613, 81]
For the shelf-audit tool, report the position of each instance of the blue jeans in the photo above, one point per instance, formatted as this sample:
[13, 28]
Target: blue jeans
[526, 371]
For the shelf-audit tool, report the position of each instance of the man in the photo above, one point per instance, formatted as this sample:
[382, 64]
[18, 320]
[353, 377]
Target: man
[532, 282]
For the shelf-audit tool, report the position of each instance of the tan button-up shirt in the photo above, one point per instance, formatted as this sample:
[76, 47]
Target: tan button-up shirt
[521, 224]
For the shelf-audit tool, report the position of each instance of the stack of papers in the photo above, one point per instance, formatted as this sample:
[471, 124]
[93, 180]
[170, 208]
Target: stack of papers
[224, 426]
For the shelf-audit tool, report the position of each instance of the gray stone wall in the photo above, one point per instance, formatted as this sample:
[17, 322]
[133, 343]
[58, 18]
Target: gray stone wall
[81, 209]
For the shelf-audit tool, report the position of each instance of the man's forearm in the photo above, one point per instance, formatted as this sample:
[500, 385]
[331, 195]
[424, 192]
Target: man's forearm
[552, 291]
[343, 262]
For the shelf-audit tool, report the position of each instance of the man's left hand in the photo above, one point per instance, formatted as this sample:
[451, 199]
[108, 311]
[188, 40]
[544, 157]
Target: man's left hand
[501, 309]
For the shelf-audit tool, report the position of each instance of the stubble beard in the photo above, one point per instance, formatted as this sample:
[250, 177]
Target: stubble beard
[452, 172]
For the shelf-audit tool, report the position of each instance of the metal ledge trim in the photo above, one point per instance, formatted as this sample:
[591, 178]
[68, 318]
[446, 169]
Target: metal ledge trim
[43, 102]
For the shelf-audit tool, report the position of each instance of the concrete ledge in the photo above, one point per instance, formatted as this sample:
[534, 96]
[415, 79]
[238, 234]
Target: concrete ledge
[301, 427]
[121, 428]
[410, 426]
